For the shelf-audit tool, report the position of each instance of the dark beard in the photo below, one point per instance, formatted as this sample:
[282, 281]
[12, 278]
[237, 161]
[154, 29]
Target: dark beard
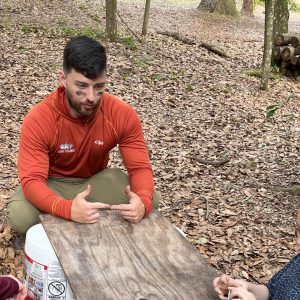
[77, 107]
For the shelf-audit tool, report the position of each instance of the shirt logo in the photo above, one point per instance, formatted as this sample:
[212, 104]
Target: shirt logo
[66, 148]
[98, 142]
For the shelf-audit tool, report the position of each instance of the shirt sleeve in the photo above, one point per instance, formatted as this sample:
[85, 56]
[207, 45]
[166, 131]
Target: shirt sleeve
[136, 159]
[33, 169]
[8, 287]
[285, 279]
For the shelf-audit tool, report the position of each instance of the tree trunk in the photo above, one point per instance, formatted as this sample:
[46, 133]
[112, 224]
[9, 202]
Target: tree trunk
[247, 9]
[146, 17]
[224, 7]
[281, 17]
[209, 5]
[227, 7]
[111, 20]
[269, 10]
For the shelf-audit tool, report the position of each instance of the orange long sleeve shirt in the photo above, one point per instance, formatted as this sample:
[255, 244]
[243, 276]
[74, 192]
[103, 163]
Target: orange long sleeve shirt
[54, 144]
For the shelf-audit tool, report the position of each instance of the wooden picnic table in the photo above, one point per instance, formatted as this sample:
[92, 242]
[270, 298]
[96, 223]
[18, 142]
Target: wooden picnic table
[115, 259]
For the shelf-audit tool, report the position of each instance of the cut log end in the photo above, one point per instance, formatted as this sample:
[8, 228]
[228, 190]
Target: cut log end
[282, 40]
[295, 41]
[287, 53]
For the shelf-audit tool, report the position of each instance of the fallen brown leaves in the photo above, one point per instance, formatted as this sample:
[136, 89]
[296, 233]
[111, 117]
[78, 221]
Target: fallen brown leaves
[193, 104]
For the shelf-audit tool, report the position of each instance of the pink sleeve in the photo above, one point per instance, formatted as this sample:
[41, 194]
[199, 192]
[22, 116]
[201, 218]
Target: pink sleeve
[8, 287]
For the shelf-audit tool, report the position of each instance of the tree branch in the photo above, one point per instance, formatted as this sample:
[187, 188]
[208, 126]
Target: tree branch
[185, 40]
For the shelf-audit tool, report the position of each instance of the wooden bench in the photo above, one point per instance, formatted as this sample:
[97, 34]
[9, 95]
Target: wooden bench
[115, 259]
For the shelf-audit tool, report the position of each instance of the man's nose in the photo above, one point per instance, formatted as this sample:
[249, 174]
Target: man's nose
[91, 96]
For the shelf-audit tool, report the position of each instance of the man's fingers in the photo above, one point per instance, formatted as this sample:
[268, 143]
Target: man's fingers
[93, 216]
[128, 213]
[92, 221]
[121, 207]
[99, 205]
[93, 211]
[86, 192]
[128, 191]
[130, 219]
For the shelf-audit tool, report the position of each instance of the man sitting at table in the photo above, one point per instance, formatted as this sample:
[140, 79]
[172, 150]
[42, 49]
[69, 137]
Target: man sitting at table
[65, 143]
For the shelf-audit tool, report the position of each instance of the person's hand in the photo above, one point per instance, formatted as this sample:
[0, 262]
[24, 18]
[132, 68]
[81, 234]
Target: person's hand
[83, 211]
[135, 210]
[22, 288]
[240, 293]
[224, 282]
[22, 294]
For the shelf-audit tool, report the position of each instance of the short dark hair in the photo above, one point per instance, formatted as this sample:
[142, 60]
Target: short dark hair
[85, 55]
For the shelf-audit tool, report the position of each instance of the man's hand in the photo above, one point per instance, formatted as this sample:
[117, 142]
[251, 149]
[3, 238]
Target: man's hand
[86, 212]
[221, 285]
[240, 293]
[134, 211]
[22, 288]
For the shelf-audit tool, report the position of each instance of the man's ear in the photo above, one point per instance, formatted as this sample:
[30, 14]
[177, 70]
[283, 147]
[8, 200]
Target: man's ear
[62, 78]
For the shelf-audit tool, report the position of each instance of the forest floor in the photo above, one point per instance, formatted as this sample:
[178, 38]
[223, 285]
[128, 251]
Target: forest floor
[195, 107]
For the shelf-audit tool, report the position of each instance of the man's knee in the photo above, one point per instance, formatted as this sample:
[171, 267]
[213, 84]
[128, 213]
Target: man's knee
[117, 176]
[21, 214]
[109, 187]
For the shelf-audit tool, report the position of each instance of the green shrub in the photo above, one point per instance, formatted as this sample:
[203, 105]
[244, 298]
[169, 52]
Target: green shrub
[68, 31]
[128, 41]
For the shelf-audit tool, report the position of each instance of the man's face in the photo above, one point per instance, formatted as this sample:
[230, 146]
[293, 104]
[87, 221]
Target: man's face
[83, 94]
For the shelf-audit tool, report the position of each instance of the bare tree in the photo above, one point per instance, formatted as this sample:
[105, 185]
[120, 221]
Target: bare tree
[247, 8]
[281, 17]
[111, 20]
[146, 17]
[225, 7]
[269, 14]
[209, 5]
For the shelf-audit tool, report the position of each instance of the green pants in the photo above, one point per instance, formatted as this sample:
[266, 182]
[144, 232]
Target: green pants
[107, 186]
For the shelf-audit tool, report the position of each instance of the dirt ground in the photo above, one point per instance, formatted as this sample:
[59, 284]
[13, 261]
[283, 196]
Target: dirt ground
[195, 107]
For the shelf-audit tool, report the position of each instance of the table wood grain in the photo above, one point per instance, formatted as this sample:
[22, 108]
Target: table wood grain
[115, 259]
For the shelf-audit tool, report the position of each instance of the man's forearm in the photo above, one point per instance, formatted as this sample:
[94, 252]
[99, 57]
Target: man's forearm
[260, 291]
[41, 196]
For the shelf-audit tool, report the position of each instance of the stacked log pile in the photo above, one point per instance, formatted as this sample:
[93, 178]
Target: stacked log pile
[286, 54]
